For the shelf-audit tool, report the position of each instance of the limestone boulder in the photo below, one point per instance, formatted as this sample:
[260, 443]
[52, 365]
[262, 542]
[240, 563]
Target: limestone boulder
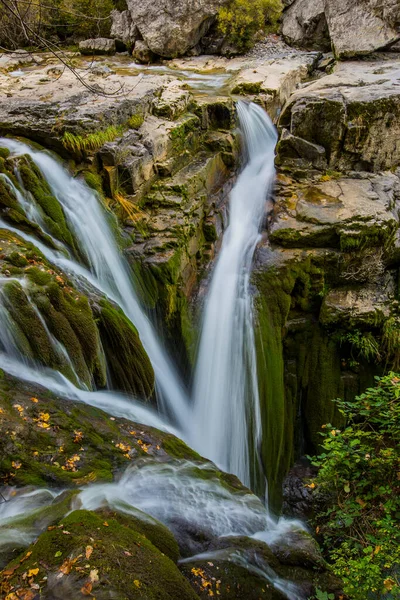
[360, 27]
[304, 25]
[142, 53]
[97, 46]
[353, 27]
[123, 30]
[171, 28]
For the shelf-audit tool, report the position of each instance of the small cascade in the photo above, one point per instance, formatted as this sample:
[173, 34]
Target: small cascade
[108, 271]
[226, 414]
[10, 336]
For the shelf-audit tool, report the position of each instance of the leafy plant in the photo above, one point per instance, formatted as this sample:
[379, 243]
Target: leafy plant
[359, 482]
[364, 345]
[242, 19]
[391, 341]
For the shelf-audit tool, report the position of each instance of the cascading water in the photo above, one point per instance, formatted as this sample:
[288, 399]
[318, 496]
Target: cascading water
[108, 271]
[224, 422]
[226, 411]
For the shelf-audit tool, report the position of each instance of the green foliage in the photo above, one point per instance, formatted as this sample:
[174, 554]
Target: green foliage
[391, 341]
[242, 19]
[363, 345]
[52, 19]
[360, 483]
[92, 141]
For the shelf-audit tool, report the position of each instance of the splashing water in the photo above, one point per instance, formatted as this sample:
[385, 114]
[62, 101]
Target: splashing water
[226, 406]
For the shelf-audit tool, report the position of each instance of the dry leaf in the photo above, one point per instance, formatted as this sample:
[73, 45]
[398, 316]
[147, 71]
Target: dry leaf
[94, 575]
[86, 589]
[88, 553]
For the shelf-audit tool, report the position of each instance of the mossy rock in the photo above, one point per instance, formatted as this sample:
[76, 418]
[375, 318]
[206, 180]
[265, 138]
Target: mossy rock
[122, 562]
[54, 217]
[31, 525]
[63, 443]
[130, 367]
[4, 153]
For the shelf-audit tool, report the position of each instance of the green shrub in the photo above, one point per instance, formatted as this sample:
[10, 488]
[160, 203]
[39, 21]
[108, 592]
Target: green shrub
[242, 19]
[359, 482]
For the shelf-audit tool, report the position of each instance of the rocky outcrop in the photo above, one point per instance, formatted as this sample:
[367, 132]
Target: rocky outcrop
[352, 27]
[353, 113]
[171, 28]
[97, 46]
[271, 83]
[326, 278]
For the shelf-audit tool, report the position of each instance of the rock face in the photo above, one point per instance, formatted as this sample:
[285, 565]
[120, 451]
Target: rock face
[353, 113]
[123, 30]
[97, 46]
[171, 28]
[354, 27]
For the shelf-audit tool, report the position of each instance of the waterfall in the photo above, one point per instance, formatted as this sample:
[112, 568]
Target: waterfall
[108, 271]
[226, 414]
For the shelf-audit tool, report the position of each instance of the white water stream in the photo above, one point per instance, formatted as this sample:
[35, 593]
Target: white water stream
[226, 403]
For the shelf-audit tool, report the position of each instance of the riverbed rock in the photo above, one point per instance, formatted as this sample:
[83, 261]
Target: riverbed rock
[171, 28]
[354, 113]
[97, 46]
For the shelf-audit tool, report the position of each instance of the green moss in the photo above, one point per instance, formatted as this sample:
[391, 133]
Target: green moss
[176, 448]
[37, 276]
[94, 180]
[54, 217]
[4, 152]
[129, 365]
[71, 320]
[16, 259]
[7, 200]
[158, 534]
[29, 323]
[127, 563]
[135, 121]
[247, 87]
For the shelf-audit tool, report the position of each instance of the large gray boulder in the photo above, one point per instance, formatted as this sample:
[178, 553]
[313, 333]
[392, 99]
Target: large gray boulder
[305, 25]
[359, 27]
[353, 27]
[171, 28]
[123, 29]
